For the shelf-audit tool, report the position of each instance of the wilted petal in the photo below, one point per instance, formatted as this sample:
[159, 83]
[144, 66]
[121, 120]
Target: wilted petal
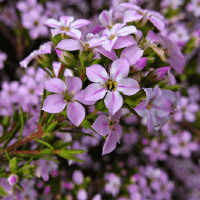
[94, 92]
[79, 23]
[124, 41]
[73, 83]
[128, 86]
[127, 30]
[110, 143]
[55, 85]
[101, 125]
[75, 113]
[96, 73]
[54, 103]
[69, 45]
[132, 53]
[53, 23]
[119, 69]
[113, 101]
[131, 15]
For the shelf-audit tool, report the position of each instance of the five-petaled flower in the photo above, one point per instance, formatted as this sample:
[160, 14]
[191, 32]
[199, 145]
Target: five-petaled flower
[67, 25]
[111, 84]
[109, 125]
[67, 94]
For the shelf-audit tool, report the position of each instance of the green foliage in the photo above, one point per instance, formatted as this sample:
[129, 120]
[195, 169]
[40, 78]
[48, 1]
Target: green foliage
[171, 13]
[174, 88]
[2, 191]
[13, 164]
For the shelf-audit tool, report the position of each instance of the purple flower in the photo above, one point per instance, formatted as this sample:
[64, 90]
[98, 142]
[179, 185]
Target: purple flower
[34, 21]
[12, 179]
[113, 185]
[78, 177]
[109, 125]
[111, 84]
[29, 5]
[186, 109]
[118, 37]
[156, 150]
[3, 57]
[181, 144]
[156, 107]
[67, 25]
[106, 18]
[44, 49]
[66, 94]
[82, 194]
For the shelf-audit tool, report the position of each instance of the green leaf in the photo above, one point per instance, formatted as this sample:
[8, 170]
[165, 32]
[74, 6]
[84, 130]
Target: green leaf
[59, 144]
[71, 157]
[174, 88]
[100, 105]
[72, 151]
[13, 164]
[136, 99]
[46, 151]
[50, 128]
[22, 122]
[85, 123]
[44, 143]
[20, 187]
[2, 191]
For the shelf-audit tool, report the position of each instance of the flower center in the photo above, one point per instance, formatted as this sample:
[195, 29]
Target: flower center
[31, 91]
[149, 105]
[68, 97]
[112, 37]
[111, 124]
[111, 85]
[65, 28]
[86, 46]
[35, 23]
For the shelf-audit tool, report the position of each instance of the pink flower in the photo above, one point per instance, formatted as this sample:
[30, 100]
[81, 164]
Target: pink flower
[156, 107]
[66, 94]
[109, 125]
[67, 25]
[118, 37]
[111, 84]
[44, 49]
[136, 13]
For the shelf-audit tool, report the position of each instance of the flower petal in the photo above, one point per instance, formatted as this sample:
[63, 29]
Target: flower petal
[111, 55]
[94, 92]
[69, 45]
[96, 73]
[101, 125]
[128, 86]
[124, 41]
[74, 33]
[113, 101]
[159, 24]
[54, 103]
[118, 132]
[79, 23]
[73, 83]
[56, 31]
[66, 20]
[108, 44]
[53, 23]
[132, 53]
[141, 108]
[110, 143]
[127, 30]
[75, 113]
[55, 85]
[131, 15]
[119, 69]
